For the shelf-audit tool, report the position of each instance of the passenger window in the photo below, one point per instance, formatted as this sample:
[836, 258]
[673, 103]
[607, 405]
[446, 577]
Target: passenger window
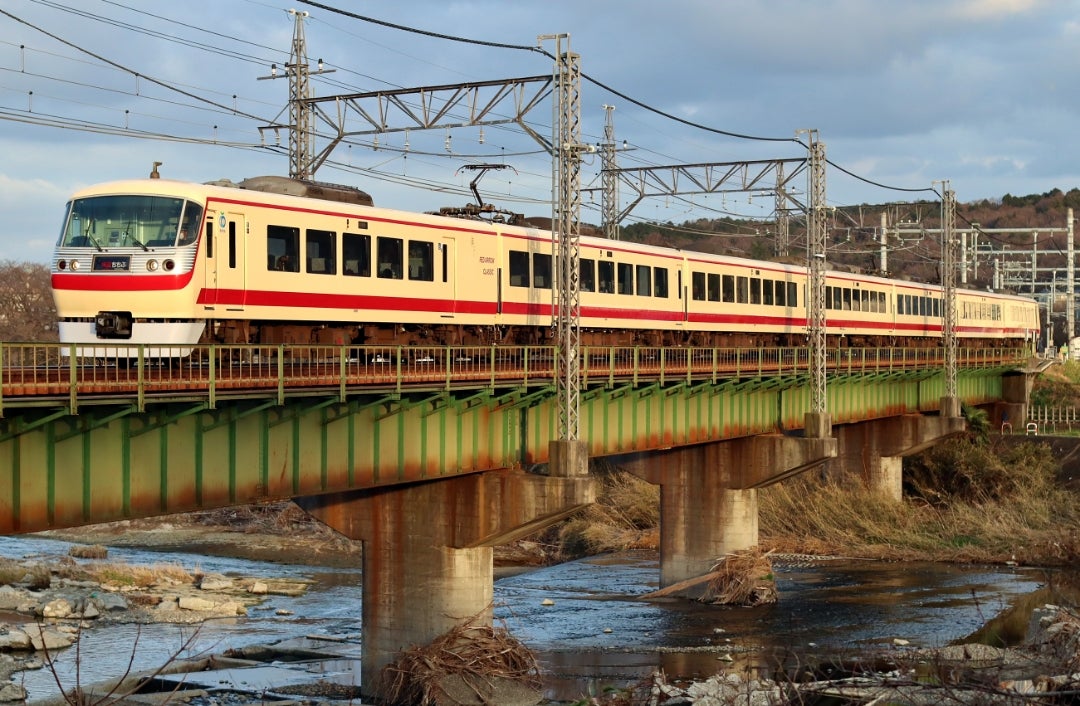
[660, 282]
[588, 275]
[626, 278]
[781, 290]
[828, 298]
[728, 289]
[356, 254]
[541, 270]
[855, 299]
[714, 287]
[792, 294]
[697, 285]
[644, 280]
[282, 247]
[846, 303]
[519, 268]
[606, 271]
[742, 290]
[767, 292]
[321, 252]
[389, 257]
[755, 290]
[865, 300]
[421, 261]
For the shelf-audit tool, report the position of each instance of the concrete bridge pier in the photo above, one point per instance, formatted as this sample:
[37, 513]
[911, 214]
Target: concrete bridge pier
[427, 550]
[874, 450]
[708, 494]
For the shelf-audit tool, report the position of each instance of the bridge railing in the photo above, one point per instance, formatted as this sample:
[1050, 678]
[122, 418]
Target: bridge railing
[33, 372]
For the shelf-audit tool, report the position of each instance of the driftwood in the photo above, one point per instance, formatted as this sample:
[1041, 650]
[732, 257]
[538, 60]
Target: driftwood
[472, 657]
[742, 578]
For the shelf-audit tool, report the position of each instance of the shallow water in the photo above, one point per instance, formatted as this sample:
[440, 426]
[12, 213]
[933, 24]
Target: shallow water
[598, 633]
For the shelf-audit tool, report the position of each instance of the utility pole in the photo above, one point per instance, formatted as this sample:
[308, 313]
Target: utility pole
[783, 221]
[301, 133]
[884, 259]
[1070, 276]
[609, 179]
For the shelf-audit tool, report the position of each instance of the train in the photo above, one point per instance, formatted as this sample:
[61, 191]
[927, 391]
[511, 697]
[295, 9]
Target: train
[272, 260]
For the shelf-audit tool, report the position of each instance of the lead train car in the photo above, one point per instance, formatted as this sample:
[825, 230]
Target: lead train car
[171, 263]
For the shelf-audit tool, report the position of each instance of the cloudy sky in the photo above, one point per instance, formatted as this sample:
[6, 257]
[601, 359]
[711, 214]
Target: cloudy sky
[903, 93]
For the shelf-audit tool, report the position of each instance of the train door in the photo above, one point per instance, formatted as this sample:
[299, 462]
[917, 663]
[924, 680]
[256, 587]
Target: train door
[447, 264]
[225, 276]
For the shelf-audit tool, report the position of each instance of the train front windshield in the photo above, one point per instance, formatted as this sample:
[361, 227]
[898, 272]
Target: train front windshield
[103, 222]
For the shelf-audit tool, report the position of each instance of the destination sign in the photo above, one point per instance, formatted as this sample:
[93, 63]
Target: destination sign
[112, 263]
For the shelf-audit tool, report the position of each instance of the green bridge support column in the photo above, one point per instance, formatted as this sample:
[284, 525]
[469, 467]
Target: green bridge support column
[873, 451]
[708, 494]
[427, 558]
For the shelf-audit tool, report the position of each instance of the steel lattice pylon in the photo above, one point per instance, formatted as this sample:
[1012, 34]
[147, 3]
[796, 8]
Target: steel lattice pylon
[609, 180]
[301, 138]
[948, 283]
[817, 227]
[567, 207]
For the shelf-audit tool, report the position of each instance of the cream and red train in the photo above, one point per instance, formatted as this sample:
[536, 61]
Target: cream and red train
[155, 261]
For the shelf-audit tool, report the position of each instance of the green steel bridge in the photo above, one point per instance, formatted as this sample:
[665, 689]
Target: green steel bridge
[134, 433]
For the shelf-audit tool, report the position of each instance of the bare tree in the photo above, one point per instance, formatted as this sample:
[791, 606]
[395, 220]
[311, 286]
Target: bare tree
[27, 312]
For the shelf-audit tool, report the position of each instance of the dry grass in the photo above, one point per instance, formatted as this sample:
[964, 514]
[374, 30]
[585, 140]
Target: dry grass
[742, 578]
[477, 654]
[88, 551]
[121, 574]
[964, 503]
[35, 576]
[626, 515]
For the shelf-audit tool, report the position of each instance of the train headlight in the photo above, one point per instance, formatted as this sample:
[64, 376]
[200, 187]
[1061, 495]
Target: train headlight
[151, 265]
[61, 264]
[74, 264]
[169, 265]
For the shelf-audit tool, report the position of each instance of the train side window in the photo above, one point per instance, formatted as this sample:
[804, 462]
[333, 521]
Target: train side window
[283, 248]
[588, 275]
[865, 300]
[781, 292]
[855, 299]
[389, 254]
[321, 252]
[605, 270]
[519, 268]
[660, 282]
[727, 289]
[755, 290]
[828, 297]
[644, 280]
[541, 270]
[714, 287]
[444, 248]
[792, 294]
[422, 260]
[209, 237]
[356, 254]
[742, 290]
[625, 282]
[697, 285]
[883, 303]
[767, 292]
[845, 299]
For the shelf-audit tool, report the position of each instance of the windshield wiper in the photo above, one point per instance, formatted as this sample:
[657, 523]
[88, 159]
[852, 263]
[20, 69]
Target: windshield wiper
[92, 239]
[132, 238]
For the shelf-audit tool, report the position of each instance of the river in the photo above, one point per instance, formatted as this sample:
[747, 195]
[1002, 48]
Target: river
[595, 632]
